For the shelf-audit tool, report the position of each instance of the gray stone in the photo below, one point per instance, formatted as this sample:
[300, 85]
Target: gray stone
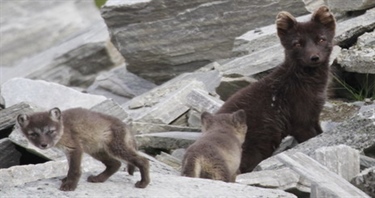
[324, 182]
[171, 108]
[287, 143]
[179, 153]
[359, 58]
[169, 160]
[366, 162]
[194, 118]
[349, 5]
[8, 116]
[46, 95]
[366, 181]
[230, 85]
[284, 179]
[120, 85]
[72, 57]
[167, 140]
[348, 29]
[178, 37]
[201, 101]
[144, 127]
[2, 102]
[121, 184]
[339, 5]
[9, 156]
[110, 107]
[40, 25]
[88, 55]
[167, 102]
[340, 159]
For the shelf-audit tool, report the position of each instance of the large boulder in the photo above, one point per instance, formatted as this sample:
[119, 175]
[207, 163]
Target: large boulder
[161, 39]
[65, 42]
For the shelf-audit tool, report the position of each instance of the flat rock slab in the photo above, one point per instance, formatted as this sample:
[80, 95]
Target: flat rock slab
[324, 182]
[182, 36]
[284, 179]
[167, 140]
[46, 95]
[8, 116]
[122, 185]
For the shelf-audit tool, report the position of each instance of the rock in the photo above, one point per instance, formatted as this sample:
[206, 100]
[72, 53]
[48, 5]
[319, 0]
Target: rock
[324, 182]
[287, 143]
[178, 37]
[169, 160]
[194, 119]
[8, 116]
[89, 55]
[167, 102]
[350, 29]
[179, 153]
[120, 85]
[37, 19]
[366, 181]
[312, 5]
[144, 127]
[230, 85]
[349, 5]
[110, 107]
[167, 140]
[366, 162]
[283, 179]
[2, 102]
[361, 57]
[161, 185]
[46, 95]
[340, 159]
[72, 57]
[201, 101]
[9, 156]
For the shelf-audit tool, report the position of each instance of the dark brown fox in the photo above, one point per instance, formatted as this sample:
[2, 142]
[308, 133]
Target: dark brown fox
[78, 130]
[289, 100]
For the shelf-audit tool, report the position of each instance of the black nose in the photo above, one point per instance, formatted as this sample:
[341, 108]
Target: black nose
[44, 145]
[314, 58]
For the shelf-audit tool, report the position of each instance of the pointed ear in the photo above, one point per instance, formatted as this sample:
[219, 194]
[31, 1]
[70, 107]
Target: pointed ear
[55, 114]
[239, 117]
[23, 120]
[323, 16]
[284, 22]
[206, 120]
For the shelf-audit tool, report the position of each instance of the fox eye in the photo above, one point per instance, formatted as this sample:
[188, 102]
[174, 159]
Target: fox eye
[296, 44]
[321, 40]
[34, 135]
[51, 132]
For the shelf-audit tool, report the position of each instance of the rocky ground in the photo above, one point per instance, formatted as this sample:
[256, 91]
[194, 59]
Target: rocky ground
[184, 58]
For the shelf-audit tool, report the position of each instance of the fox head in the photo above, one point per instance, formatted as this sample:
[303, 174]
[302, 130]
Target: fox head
[308, 43]
[233, 122]
[43, 129]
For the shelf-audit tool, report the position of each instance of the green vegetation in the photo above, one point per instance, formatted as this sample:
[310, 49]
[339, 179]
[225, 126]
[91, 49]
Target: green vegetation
[361, 89]
[99, 3]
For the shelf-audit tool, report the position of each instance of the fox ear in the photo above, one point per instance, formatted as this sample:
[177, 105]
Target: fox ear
[23, 120]
[323, 16]
[55, 114]
[284, 22]
[239, 117]
[206, 120]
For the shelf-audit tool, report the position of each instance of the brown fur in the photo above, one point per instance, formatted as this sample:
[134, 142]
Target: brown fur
[289, 100]
[78, 130]
[217, 153]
